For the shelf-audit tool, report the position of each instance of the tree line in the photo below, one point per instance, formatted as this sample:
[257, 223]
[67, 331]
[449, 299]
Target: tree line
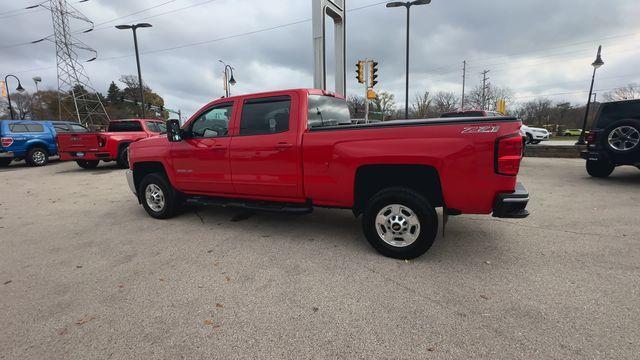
[119, 103]
[539, 112]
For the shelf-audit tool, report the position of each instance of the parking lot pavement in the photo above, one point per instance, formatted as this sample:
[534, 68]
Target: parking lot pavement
[85, 273]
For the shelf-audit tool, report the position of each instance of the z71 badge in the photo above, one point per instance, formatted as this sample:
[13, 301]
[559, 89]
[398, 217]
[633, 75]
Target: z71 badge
[480, 129]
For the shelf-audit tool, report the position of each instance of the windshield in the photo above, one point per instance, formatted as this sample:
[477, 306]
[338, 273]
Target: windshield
[327, 111]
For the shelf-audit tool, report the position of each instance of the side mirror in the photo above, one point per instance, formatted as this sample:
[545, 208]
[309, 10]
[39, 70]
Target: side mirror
[174, 133]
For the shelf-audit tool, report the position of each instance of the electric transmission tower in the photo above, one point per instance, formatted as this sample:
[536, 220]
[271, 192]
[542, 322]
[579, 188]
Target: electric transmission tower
[77, 99]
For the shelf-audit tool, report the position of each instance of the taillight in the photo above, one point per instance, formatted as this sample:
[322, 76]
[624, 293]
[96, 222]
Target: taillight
[6, 141]
[508, 155]
[101, 141]
[591, 137]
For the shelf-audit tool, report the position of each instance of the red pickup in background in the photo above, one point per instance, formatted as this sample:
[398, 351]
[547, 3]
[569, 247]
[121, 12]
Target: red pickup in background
[294, 150]
[88, 149]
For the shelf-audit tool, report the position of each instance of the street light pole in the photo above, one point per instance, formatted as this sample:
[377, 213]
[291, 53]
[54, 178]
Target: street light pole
[19, 89]
[407, 5]
[228, 78]
[135, 44]
[596, 64]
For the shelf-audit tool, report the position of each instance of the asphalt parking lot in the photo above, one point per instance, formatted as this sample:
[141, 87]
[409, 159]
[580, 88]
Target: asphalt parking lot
[85, 273]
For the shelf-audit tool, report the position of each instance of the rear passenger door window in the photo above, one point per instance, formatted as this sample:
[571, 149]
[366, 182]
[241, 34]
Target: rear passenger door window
[265, 116]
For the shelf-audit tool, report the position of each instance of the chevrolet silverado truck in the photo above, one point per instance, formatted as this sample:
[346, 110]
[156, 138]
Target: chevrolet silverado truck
[294, 150]
[89, 148]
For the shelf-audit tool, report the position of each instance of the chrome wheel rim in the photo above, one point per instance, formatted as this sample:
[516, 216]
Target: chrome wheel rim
[397, 225]
[38, 157]
[154, 197]
[624, 138]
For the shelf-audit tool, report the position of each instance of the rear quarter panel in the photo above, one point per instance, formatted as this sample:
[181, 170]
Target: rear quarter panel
[464, 161]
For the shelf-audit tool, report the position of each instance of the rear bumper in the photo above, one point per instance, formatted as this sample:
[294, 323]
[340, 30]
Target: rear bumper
[594, 155]
[6, 154]
[79, 155]
[512, 205]
[132, 184]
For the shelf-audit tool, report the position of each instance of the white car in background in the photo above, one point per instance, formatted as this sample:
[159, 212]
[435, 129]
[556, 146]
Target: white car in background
[535, 135]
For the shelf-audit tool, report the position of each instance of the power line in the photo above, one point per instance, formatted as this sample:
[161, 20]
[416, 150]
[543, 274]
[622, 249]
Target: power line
[162, 14]
[136, 12]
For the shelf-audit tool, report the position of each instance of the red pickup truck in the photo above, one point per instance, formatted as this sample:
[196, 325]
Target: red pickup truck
[293, 150]
[87, 149]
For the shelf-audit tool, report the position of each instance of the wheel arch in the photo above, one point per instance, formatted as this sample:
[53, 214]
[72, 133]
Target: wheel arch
[370, 179]
[142, 169]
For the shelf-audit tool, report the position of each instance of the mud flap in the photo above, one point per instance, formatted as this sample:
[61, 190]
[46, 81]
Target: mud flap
[443, 218]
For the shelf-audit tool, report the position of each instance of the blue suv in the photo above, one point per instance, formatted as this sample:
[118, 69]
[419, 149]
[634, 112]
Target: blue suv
[33, 141]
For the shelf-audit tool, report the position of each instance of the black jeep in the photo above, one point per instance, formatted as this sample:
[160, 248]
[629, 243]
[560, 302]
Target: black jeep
[614, 139]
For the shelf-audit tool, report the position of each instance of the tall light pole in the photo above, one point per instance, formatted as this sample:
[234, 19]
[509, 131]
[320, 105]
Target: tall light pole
[19, 89]
[596, 64]
[408, 5]
[228, 78]
[135, 44]
[37, 79]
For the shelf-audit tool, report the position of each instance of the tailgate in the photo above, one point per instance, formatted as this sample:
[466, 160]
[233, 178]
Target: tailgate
[74, 142]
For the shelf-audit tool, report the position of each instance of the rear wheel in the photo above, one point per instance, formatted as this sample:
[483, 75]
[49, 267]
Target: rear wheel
[4, 162]
[400, 223]
[88, 164]
[599, 169]
[37, 157]
[158, 197]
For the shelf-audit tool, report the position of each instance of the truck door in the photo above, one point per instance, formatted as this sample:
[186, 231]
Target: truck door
[201, 160]
[265, 157]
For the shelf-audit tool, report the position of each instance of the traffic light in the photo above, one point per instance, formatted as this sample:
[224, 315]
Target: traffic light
[374, 73]
[360, 71]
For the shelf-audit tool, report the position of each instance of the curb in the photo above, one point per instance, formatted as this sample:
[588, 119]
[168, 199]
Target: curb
[554, 151]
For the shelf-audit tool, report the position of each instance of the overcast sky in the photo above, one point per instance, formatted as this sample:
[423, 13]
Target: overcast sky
[533, 47]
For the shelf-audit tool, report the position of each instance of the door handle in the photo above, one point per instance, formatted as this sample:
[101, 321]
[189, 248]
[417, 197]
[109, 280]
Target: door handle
[219, 148]
[283, 146]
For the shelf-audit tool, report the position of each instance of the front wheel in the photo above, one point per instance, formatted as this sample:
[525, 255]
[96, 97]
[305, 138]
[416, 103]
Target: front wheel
[599, 169]
[400, 223]
[4, 162]
[158, 197]
[88, 164]
[535, 142]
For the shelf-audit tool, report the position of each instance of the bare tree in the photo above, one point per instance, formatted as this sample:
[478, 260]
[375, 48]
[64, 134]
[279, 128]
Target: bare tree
[421, 107]
[492, 95]
[445, 102]
[356, 106]
[629, 92]
[385, 104]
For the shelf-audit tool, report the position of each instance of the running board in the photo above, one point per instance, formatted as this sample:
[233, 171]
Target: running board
[290, 208]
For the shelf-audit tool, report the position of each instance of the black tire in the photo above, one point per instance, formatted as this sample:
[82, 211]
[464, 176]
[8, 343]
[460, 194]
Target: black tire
[88, 164]
[535, 142]
[529, 139]
[418, 206]
[170, 204]
[123, 157]
[37, 156]
[4, 162]
[599, 169]
[634, 124]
